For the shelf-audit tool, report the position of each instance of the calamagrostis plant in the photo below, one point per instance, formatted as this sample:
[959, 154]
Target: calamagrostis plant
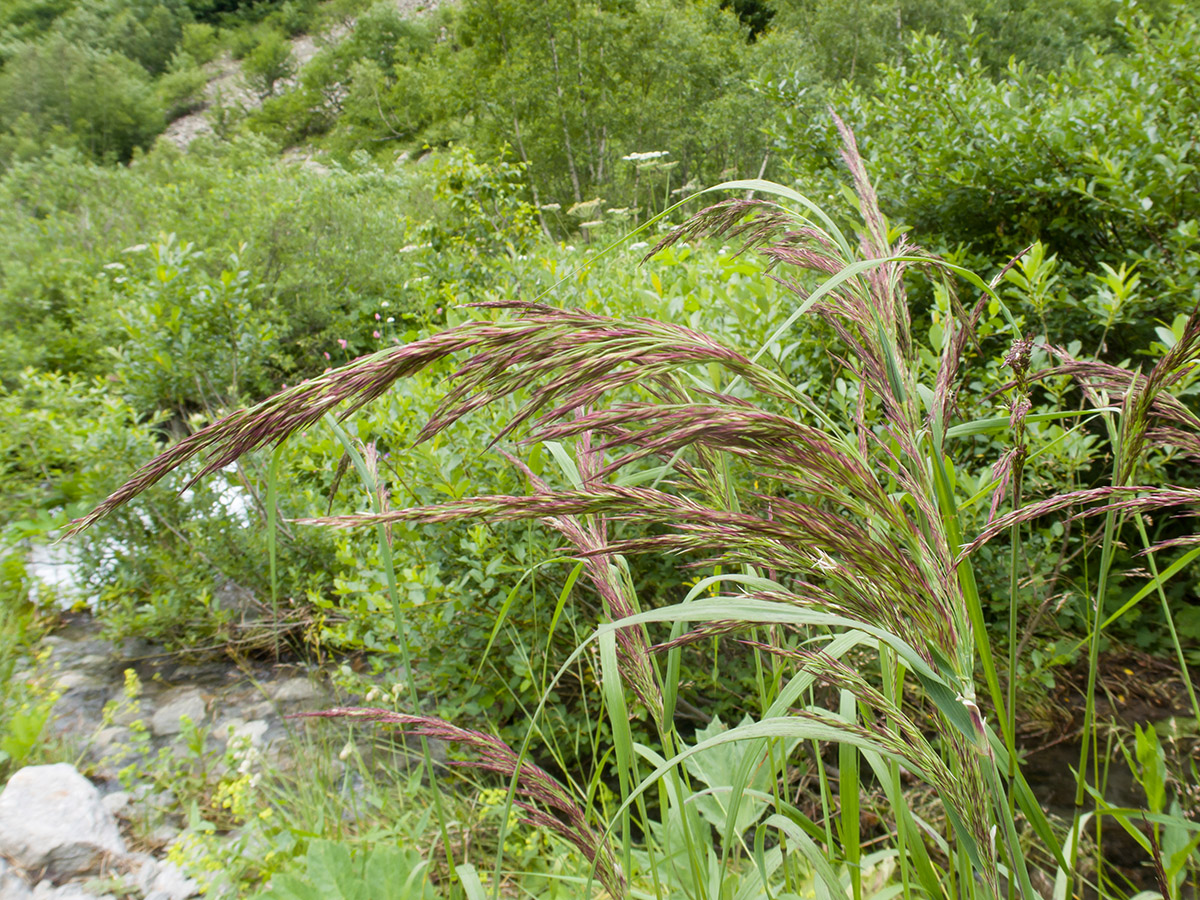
[545, 804]
[859, 546]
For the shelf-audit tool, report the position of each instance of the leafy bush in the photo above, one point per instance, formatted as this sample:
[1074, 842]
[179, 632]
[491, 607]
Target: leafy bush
[268, 64]
[322, 244]
[26, 698]
[1090, 159]
[56, 93]
[386, 873]
[181, 90]
[199, 41]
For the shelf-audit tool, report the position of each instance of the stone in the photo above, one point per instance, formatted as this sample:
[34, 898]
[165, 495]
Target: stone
[127, 713]
[72, 891]
[254, 732]
[259, 711]
[293, 690]
[113, 736]
[171, 881]
[96, 663]
[224, 728]
[117, 802]
[142, 869]
[168, 719]
[52, 821]
[233, 597]
[69, 681]
[12, 885]
[163, 835]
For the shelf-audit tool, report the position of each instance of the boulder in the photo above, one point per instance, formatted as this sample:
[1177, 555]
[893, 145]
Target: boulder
[54, 823]
[293, 690]
[168, 719]
[12, 885]
[46, 890]
[253, 732]
[170, 882]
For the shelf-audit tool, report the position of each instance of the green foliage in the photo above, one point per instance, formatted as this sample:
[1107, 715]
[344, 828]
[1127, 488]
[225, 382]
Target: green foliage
[190, 342]
[22, 20]
[569, 88]
[383, 873]
[850, 41]
[180, 285]
[145, 31]
[304, 244]
[57, 93]
[26, 697]
[1091, 159]
[269, 63]
[199, 42]
[181, 90]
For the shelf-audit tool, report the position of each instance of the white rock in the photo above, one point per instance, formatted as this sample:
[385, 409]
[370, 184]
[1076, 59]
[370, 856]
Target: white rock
[293, 690]
[222, 728]
[72, 891]
[254, 732]
[142, 869]
[12, 885]
[168, 719]
[111, 736]
[163, 836]
[52, 819]
[171, 881]
[116, 801]
[68, 681]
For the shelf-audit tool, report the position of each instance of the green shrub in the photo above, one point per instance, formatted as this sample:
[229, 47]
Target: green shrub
[1089, 159]
[200, 42]
[268, 63]
[181, 90]
[56, 93]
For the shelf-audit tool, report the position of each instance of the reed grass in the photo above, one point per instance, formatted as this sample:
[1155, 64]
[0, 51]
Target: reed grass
[857, 549]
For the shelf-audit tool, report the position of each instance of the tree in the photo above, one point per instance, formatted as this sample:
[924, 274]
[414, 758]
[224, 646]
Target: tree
[57, 93]
[268, 64]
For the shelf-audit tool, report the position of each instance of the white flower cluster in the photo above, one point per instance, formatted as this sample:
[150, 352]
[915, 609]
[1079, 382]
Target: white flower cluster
[649, 154]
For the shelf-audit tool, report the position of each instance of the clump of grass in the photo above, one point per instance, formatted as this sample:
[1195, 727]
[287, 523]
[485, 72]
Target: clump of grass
[857, 547]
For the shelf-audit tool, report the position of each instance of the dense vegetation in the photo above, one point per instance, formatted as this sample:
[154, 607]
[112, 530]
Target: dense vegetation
[356, 201]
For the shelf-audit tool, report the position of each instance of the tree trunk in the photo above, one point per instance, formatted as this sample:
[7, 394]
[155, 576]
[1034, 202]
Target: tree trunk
[562, 114]
[533, 188]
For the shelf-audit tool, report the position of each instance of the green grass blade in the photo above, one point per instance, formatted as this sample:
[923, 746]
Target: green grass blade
[272, 539]
[848, 797]
[827, 883]
[998, 424]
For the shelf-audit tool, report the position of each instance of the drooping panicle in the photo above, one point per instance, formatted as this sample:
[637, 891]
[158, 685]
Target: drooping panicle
[546, 803]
